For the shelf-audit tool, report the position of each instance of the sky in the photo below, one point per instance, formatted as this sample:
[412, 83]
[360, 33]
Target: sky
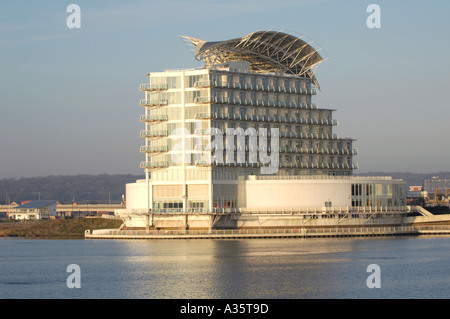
[69, 97]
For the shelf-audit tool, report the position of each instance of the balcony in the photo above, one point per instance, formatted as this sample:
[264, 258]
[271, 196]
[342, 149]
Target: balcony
[161, 164]
[343, 166]
[225, 164]
[153, 87]
[154, 149]
[202, 99]
[204, 84]
[255, 102]
[306, 91]
[153, 102]
[153, 118]
[255, 87]
[160, 133]
[203, 115]
[322, 151]
[309, 136]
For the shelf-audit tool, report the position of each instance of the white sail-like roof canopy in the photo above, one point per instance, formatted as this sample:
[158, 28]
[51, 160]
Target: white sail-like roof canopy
[266, 51]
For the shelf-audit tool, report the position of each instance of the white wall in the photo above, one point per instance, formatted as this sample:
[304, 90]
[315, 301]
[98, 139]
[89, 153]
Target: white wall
[136, 195]
[297, 193]
[282, 193]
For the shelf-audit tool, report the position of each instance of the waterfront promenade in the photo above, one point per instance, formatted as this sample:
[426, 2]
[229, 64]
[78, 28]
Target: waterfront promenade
[312, 232]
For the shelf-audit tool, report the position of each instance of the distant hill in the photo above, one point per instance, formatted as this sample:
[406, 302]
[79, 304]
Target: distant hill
[103, 187]
[99, 188]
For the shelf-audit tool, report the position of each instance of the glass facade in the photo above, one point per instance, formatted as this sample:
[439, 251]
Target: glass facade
[378, 194]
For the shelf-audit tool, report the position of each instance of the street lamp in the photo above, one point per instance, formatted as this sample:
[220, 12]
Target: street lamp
[73, 199]
[87, 203]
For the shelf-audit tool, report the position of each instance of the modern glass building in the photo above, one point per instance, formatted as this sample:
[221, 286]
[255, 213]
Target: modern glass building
[255, 94]
[216, 137]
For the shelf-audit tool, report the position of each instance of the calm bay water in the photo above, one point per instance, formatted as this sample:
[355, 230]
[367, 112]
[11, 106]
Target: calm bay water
[410, 267]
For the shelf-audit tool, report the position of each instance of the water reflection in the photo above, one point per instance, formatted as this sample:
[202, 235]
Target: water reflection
[171, 269]
[257, 268]
[277, 268]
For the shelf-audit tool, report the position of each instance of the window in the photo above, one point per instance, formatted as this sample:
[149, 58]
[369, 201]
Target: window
[356, 189]
[170, 82]
[199, 79]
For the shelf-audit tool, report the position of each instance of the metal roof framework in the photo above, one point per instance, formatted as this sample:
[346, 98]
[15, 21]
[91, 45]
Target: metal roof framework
[266, 51]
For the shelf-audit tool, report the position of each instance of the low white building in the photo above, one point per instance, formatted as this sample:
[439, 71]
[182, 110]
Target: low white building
[291, 192]
[297, 192]
[284, 201]
[45, 209]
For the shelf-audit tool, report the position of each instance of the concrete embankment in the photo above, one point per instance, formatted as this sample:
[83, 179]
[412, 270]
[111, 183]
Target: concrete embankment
[284, 227]
[270, 233]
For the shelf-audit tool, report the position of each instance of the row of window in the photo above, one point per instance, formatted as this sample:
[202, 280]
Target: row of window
[174, 82]
[176, 204]
[243, 157]
[175, 174]
[317, 114]
[378, 194]
[192, 112]
[222, 96]
[258, 79]
[168, 205]
[175, 128]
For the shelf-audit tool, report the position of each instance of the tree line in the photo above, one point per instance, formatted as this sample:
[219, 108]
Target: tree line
[104, 188]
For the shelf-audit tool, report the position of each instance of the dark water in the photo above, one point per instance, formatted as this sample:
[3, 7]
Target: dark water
[410, 267]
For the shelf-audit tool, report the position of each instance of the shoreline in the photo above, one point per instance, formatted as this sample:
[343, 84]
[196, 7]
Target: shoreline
[70, 228]
[99, 228]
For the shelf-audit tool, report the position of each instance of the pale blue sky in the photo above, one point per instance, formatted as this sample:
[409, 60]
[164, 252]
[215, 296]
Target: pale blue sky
[69, 97]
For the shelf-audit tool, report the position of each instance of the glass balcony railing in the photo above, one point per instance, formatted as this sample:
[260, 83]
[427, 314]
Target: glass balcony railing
[225, 164]
[205, 84]
[160, 133]
[254, 102]
[153, 102]
[321, 151]
[202, 99]
[285, 164]
[161, 164]
[254, 87]
[204, 115]
[154, 149]
[308, 135]
[294, 164]
[153, 87]
[153, 118]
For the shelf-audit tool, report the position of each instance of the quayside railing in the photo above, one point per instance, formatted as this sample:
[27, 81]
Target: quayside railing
[291, 231]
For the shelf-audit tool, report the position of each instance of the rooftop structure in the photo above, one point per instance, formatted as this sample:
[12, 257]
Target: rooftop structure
[266, 51]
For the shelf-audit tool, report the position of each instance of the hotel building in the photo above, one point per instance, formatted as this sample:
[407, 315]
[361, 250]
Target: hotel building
[243, 134]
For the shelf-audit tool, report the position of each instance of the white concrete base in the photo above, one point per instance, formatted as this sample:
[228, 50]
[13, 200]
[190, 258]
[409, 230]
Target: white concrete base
[239, 221]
